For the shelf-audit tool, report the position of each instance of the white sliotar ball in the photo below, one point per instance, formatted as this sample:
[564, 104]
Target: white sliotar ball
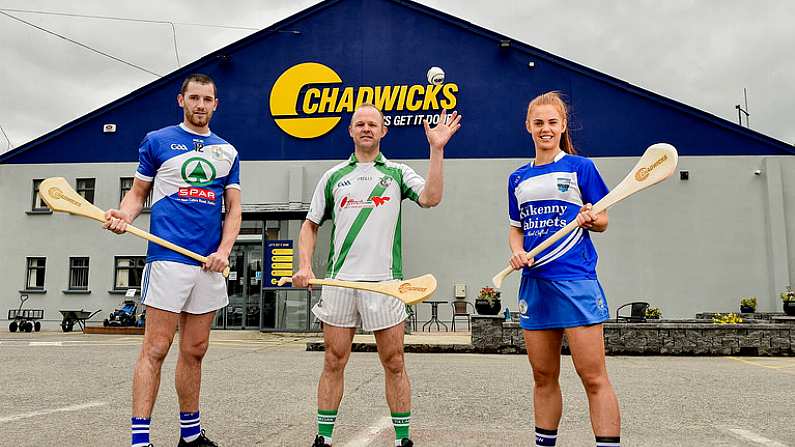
[435, 76]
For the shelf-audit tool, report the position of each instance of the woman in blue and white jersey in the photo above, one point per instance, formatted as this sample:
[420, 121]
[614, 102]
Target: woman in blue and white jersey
[560, 293]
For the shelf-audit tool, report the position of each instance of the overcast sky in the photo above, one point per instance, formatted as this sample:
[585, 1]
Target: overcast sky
[700, 52]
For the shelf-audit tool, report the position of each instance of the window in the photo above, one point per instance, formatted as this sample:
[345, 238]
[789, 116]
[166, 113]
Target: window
[126, 185]
[85, 187]
[38, 204]
[251, 227]
[129, 272]
[35, 277]
[78, 273]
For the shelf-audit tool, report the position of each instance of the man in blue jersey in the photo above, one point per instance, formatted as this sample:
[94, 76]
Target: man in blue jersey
[189, 170]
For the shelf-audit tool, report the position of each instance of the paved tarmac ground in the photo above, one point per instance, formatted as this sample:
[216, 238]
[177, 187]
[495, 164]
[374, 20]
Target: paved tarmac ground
[259, 390]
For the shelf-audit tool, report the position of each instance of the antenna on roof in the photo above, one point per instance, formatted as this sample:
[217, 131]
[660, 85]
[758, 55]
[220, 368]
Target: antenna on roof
[743, 111]
[10, 144]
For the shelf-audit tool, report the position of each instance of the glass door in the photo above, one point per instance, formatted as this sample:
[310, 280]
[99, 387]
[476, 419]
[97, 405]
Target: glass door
[253, 260]
[243, 287]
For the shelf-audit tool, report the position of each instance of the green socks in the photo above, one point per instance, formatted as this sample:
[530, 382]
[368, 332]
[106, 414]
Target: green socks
[325, 423]
[401, 423]
[327, 418]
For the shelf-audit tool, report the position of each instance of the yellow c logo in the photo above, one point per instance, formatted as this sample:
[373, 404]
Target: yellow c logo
[284, 96]
[308, 100]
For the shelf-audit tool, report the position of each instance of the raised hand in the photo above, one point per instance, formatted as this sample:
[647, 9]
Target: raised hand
[441, 134]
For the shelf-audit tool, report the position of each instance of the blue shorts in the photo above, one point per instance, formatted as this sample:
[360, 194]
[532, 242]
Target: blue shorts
[545, 304]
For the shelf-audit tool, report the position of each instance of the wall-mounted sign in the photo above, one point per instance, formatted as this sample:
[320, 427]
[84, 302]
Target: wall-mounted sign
[278, 262]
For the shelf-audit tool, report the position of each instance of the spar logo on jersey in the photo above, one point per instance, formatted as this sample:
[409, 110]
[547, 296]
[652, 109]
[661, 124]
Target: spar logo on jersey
[308, 100]
[563, 184]
[372, 202]
[197, 171]
[197, 193]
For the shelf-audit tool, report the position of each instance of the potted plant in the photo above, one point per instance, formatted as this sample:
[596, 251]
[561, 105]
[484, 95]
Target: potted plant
[488, 301]
[788, 297]
[730, 318]
[748, 305]
[653, 313]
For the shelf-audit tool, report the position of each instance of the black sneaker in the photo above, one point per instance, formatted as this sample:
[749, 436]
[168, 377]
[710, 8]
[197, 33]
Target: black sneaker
[320, 441]
[201, 441]
[406, 442]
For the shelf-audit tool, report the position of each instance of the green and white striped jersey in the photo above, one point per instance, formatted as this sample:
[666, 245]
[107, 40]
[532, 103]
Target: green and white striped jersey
[363, 201]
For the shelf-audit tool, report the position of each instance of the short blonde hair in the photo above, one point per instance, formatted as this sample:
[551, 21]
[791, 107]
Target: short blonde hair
[372, 106]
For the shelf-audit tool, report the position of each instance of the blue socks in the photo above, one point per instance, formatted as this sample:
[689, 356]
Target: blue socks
[140, 432]
[189, 429]
[546, 438]
[189, 426]
[608, 441]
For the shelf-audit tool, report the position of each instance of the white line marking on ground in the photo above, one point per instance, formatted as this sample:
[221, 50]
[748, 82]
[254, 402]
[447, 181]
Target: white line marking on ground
[365, 437]
[51, 411]
[45, 343]
[748, 435]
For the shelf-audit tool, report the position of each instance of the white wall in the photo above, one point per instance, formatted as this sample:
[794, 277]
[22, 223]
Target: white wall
[685, 246]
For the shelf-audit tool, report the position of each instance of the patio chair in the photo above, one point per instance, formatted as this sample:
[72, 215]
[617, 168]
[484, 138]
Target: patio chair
[637, 312]
[411, 320]
[461, 309]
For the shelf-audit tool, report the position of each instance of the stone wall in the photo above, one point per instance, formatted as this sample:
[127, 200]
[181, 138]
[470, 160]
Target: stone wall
[662, 337]
[752, 316]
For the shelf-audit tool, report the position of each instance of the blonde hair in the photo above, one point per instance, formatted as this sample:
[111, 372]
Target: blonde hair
[554, 98]
[372, 106]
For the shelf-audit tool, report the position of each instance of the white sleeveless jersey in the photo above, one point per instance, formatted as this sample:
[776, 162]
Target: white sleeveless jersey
[363, 201]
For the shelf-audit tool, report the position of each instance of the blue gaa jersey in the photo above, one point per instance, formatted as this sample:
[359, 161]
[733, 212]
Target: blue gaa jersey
[190, 174]
[543, 199]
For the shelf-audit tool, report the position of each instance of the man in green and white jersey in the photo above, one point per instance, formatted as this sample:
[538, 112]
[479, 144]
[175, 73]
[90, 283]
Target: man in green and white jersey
[362, 196]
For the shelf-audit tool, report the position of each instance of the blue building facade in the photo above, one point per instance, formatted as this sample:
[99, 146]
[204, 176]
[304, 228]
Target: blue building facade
[287, 93]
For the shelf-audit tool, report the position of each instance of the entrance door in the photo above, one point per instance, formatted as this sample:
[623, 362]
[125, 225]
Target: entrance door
[244, 287]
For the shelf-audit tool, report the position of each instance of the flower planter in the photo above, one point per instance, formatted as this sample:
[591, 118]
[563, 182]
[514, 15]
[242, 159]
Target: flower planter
[789, 308]
[746, 309]
[484, 307]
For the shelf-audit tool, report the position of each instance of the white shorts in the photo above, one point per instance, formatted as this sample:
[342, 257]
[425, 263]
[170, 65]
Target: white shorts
[343, 307]
[178, 287]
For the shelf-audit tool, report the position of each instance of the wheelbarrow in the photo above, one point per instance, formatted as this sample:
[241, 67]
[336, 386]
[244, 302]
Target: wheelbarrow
[70, 317]
[26, 320]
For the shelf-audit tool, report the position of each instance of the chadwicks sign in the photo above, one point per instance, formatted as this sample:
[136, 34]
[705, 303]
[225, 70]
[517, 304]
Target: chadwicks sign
[308, 100]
